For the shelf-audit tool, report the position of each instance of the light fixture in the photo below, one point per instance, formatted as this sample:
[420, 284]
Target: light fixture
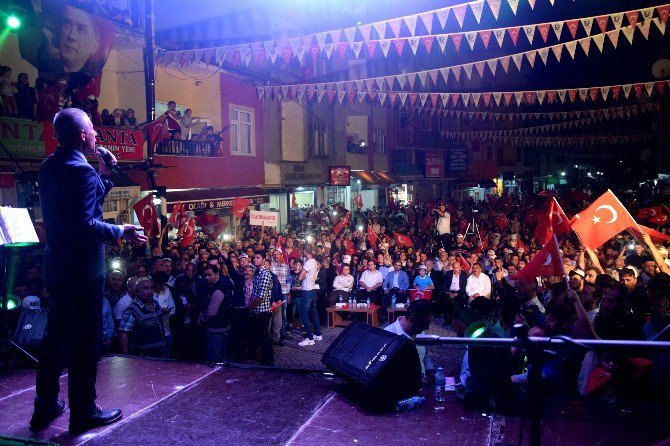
[13, 22]
[13, 302]
[562, 174]
[360, 228]
[116, 264]
[334, 213]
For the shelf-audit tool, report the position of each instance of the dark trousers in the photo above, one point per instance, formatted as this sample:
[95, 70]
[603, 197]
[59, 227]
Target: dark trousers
[73, 338]
[240, 334]
[375, 297]
[336, 295]
[260, 335]
[453, 305]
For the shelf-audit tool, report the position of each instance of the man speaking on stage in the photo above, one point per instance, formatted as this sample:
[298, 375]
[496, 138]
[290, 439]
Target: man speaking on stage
[71, 194]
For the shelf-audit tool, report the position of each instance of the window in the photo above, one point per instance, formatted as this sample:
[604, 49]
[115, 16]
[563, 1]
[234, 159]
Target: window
[379, 140]
[241, 131]
[318, 141]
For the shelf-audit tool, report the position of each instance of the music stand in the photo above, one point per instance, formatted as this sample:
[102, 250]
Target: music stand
[16, 230]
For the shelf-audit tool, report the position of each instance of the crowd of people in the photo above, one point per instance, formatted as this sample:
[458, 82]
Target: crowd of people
[218, 301]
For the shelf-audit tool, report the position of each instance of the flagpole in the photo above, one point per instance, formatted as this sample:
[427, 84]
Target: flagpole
[565, 274]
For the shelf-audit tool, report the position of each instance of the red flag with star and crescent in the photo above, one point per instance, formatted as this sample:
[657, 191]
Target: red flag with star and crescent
[372, 237]
[402, 240]
[342, 224]
[546, 263]
[240, 205]
[465, 266]
[605, 218]
[212, 224]
[553, 222]
[178, 216]
[147, 216]
[647, 213]
[189, 234]
[359, 201]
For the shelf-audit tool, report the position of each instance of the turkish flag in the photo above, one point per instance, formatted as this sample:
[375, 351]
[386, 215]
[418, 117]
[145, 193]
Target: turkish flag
[147, 216]
[372, 237]
[240, 205]
[178, 216]
[656, 236]
[402, 241]
[294, 201]
[280, 242]
[465, 266]
[342, 224]
[349, 246]
[189, 234]
[546, 263]
[646, 213]
[157, 131]
[604, 219]
[502, 222]
[658, 219]
[554, 222]
[462, 225]
[359, 201]
[212, 224]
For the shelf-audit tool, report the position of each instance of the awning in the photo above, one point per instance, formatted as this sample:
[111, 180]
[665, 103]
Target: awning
[487, 183]
[365, 177]
[387, 178]
[202, 199]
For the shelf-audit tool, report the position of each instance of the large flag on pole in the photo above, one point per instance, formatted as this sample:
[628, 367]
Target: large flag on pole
[546, 263]
[147, 216]
[402, 241]
[178, 216]
[189, 234]
[601, 221]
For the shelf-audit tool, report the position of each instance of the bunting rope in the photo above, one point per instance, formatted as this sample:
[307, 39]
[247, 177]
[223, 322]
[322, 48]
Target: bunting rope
[260, 53]
[551, 141]
[599, 114]
[377, 85]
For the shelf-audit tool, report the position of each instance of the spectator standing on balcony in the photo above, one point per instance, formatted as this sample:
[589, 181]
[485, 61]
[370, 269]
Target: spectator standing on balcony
[7, 91]
[172, 118]
[130, 121]
[26, 98]
[187, 122]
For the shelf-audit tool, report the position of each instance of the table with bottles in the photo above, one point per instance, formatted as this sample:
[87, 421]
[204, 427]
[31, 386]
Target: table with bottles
[335, 313]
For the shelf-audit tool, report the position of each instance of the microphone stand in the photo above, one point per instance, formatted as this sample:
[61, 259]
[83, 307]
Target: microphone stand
[536, 349]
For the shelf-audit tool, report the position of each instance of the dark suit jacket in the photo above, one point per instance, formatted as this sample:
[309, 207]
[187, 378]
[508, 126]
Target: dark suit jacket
[71, 193]
[462, 281]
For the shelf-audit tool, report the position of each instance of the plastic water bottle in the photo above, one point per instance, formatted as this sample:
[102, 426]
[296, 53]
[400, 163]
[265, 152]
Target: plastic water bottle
[440, 382]
[393, 301]
[410, 403]
[367, 303]
[340, 298]
[351, 302]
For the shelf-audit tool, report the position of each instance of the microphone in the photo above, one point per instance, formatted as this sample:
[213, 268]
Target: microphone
[107, 159]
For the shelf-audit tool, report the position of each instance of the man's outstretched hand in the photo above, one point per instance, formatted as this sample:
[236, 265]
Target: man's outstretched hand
[133, 234]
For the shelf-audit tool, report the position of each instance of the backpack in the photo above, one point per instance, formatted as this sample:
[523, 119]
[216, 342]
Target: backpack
[277, 294]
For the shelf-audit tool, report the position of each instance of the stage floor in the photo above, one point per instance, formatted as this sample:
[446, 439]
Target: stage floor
[167, 403]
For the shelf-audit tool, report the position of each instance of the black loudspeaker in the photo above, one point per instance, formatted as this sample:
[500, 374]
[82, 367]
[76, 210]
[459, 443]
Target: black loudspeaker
[382, 363]
[31, 327]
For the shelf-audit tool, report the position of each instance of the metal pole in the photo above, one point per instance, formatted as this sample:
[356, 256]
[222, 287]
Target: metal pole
[595, 344]
[149, 80]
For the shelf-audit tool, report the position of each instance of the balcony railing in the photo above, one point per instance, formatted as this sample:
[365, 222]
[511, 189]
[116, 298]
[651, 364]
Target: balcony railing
[187, 148]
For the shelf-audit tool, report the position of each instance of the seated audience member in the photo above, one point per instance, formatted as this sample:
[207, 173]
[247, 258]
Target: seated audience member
[423, 281]
[396, 285]
[143, 319]
[342, 286]
[370, 283]
[478, 284]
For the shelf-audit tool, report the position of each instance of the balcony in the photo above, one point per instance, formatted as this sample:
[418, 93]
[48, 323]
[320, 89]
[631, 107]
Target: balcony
[187, 148]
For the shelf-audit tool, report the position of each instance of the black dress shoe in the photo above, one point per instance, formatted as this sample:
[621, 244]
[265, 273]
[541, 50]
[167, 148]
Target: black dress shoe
[42, 417]
[100, 417]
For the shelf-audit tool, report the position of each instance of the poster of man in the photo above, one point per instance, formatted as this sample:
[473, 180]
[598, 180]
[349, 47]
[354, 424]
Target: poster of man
[72, 45]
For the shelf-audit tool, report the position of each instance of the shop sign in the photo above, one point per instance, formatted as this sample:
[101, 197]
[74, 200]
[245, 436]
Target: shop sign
[340, 175]
[218, 203]
[302, 174]
[434, 164]
[264, 218]
[123, 193]
[22, 137]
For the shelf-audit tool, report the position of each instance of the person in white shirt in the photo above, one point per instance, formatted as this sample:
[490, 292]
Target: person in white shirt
[371, 281]
[308, 295]
[478, 284]
[342, 286]
[125, 300]
[418, 319]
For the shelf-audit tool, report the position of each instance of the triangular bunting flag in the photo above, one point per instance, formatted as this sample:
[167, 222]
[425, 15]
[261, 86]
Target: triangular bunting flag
[497, 96]
[558, 29]
[632, 17]
[471, 38]
[414, 44]
[457, 39]
[486, 37]
[514, 4]
[477, 8]
[573, 25]
[380, 29]
[544, 54]
[395, 27]
[571, 47]
[587, 24]
[628, 31]
[500, 36]
[349, 33]
[644, 28]
[480, 68]
[660, 25]
[586, 44]
[614, 37]
[459, 13]
[468, 70]
[442, 16]
[442, 41]
[428, 43]
[495, 7]
[530, 55]
[514, 34]
[385, 45]
[492, 63]
[518, 59]
[504, 63]
[456, 71]
[599, 39]
[543, 29]
[529, 31]
[427, 19]
[399, 44]
[410, 21]
[617, 19]
[602, 23]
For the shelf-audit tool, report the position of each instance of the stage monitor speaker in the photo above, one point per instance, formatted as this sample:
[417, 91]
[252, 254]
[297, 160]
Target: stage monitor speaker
[382, 363]
[31, 328]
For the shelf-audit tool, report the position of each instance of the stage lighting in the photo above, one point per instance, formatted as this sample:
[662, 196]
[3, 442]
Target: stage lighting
[13, 302]
[480, 329]
[116, 264]
[13, 23]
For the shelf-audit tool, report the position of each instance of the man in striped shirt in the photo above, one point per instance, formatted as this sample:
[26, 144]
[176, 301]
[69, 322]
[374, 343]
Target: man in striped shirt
[281, 269]
[261, 312]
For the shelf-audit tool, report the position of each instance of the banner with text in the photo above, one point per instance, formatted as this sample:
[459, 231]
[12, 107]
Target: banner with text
[434, 164]
[264, 218]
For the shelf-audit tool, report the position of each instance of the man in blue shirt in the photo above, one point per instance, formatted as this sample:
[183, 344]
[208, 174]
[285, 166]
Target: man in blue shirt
[395, 284]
